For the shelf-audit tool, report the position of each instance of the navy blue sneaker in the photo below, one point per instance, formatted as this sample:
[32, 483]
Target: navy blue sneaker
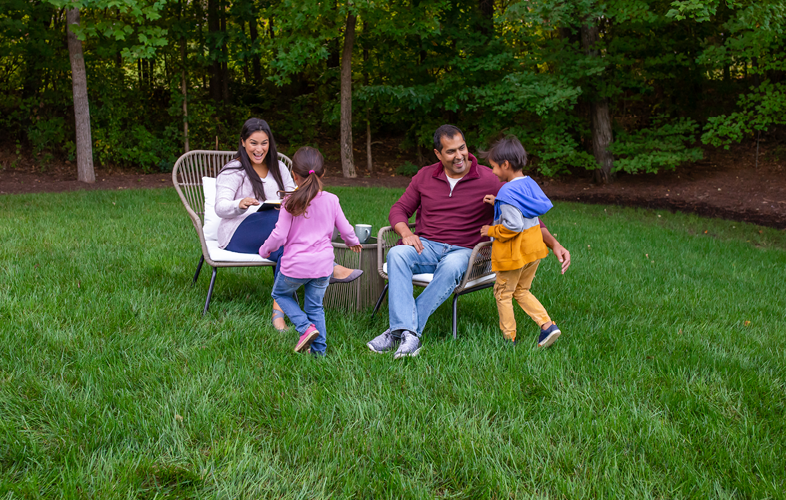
[549, 335]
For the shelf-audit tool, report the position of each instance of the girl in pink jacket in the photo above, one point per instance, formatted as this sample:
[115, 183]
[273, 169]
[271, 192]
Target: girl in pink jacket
[305, 227]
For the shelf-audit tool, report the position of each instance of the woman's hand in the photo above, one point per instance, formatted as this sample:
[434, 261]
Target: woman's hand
[489, 198]
[247, 202]
[356, 248]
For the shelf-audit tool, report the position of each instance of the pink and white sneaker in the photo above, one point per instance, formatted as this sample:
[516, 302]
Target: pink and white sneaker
[307, 338]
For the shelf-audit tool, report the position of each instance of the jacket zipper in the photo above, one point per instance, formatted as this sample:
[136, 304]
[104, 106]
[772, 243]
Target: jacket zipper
[450, 194]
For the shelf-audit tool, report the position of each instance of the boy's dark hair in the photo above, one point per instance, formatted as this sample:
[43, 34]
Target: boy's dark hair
[445, 131]
[508, 149]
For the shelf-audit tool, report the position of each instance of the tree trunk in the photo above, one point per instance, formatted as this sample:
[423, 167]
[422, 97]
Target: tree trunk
[486, 17]
[84, 141]
[369, 158]
[369, 162]
[213, 27]
[224, 56]
[599, 109]
[347, 159]
[601, 140]
[256, 67]
[184, 89]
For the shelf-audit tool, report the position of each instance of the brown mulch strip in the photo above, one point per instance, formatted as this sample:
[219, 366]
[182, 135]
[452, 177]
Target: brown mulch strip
[725, 184]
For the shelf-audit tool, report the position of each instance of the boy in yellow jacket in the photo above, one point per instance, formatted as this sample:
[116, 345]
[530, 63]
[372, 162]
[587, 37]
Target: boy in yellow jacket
[518, 243]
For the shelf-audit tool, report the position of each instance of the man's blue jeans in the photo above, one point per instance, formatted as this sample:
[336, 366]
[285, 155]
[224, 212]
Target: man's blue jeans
[283, 290]
[448, 264]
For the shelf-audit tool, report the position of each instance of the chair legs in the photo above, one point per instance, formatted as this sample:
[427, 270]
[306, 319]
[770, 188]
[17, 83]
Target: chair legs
[379, 300]
[199, 268]
[210, 290]
[455, 315]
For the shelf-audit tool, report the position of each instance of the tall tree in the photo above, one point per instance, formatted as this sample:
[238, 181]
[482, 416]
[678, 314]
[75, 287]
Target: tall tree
[599, 110]
[84, 141]
[216, 47]
[255, 63]
[347, 157]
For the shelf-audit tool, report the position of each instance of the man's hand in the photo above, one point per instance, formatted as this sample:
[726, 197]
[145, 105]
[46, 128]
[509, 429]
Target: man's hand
[247, 202]
[484, 230]
[489, 198]
[413, 240]
[408, 237]
[356, 248]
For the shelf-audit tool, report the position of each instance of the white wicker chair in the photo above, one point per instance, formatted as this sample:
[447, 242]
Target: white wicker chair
[477, 277]
[187, 178]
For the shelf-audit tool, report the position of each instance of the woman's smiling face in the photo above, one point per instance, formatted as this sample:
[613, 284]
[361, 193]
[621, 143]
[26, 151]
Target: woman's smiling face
[256, 147]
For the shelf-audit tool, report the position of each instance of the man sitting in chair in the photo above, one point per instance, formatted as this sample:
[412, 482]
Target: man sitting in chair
[448, 197]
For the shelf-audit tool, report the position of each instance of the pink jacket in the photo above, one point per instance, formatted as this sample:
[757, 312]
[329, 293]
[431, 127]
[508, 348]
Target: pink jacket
[308, 252]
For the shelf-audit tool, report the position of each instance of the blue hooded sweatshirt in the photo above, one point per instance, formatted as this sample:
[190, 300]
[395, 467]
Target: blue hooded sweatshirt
[526, 196]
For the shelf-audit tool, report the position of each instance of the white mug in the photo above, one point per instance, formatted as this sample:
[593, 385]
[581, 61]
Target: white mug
[363, 232]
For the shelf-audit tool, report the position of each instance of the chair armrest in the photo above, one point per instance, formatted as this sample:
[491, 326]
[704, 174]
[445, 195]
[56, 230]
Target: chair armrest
[479, 264]
[387, 238]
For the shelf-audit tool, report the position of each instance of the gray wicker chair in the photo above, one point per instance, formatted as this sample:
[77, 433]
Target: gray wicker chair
[187, 178]
[477, 277]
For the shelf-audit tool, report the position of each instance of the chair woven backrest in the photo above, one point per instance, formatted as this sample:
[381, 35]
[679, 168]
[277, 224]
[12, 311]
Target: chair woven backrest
[481, 262]
[192, 166]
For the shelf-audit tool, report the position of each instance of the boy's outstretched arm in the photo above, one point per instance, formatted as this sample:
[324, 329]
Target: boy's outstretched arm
[560, 252]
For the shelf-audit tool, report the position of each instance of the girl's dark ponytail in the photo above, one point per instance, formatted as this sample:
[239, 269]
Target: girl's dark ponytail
[308, 164]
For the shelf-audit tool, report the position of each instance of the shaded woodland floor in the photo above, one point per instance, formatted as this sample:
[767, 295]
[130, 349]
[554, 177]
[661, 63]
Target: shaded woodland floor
[725, 184]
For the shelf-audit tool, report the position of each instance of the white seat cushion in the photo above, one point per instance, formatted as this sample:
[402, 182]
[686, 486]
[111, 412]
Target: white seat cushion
[221, 255]
[489, 278]
[210, 228]
[427, 277]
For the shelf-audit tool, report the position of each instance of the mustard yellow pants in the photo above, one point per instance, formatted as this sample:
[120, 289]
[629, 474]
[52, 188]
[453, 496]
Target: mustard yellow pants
[515, 285]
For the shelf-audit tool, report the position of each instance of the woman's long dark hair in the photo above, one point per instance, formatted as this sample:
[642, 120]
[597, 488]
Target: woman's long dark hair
[258, 125]
[309, 165]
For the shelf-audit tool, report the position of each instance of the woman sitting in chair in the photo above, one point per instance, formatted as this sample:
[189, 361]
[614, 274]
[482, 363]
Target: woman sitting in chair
[253, 177]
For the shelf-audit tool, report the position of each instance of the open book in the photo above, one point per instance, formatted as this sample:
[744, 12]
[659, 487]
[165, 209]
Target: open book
[269, 205]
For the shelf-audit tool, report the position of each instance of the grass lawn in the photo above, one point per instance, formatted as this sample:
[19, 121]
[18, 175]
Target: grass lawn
[668, 381]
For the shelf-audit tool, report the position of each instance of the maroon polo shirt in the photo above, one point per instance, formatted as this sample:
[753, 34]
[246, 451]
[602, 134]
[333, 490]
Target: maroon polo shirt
[443, 217]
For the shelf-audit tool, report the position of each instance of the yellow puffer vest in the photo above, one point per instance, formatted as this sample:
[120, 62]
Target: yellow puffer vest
[511, 250]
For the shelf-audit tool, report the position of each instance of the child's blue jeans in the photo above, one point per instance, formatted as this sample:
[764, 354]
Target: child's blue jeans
[283, 291]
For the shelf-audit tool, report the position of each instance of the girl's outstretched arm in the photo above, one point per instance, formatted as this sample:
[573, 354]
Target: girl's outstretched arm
[346, 229]
[279, 235]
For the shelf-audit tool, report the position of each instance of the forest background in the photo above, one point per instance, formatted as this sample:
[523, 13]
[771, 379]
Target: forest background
[633, 86]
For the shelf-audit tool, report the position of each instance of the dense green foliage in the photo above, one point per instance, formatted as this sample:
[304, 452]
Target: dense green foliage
[668, 381]
[672, 72]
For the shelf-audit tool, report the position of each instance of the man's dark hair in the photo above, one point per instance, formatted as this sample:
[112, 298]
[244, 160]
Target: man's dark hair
[445, 131]
[508, 149]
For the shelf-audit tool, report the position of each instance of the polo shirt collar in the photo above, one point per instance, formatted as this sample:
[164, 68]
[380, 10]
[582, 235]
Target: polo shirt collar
[472, 173]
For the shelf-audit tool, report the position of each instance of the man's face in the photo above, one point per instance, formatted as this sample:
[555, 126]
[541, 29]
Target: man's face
[454, 156]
